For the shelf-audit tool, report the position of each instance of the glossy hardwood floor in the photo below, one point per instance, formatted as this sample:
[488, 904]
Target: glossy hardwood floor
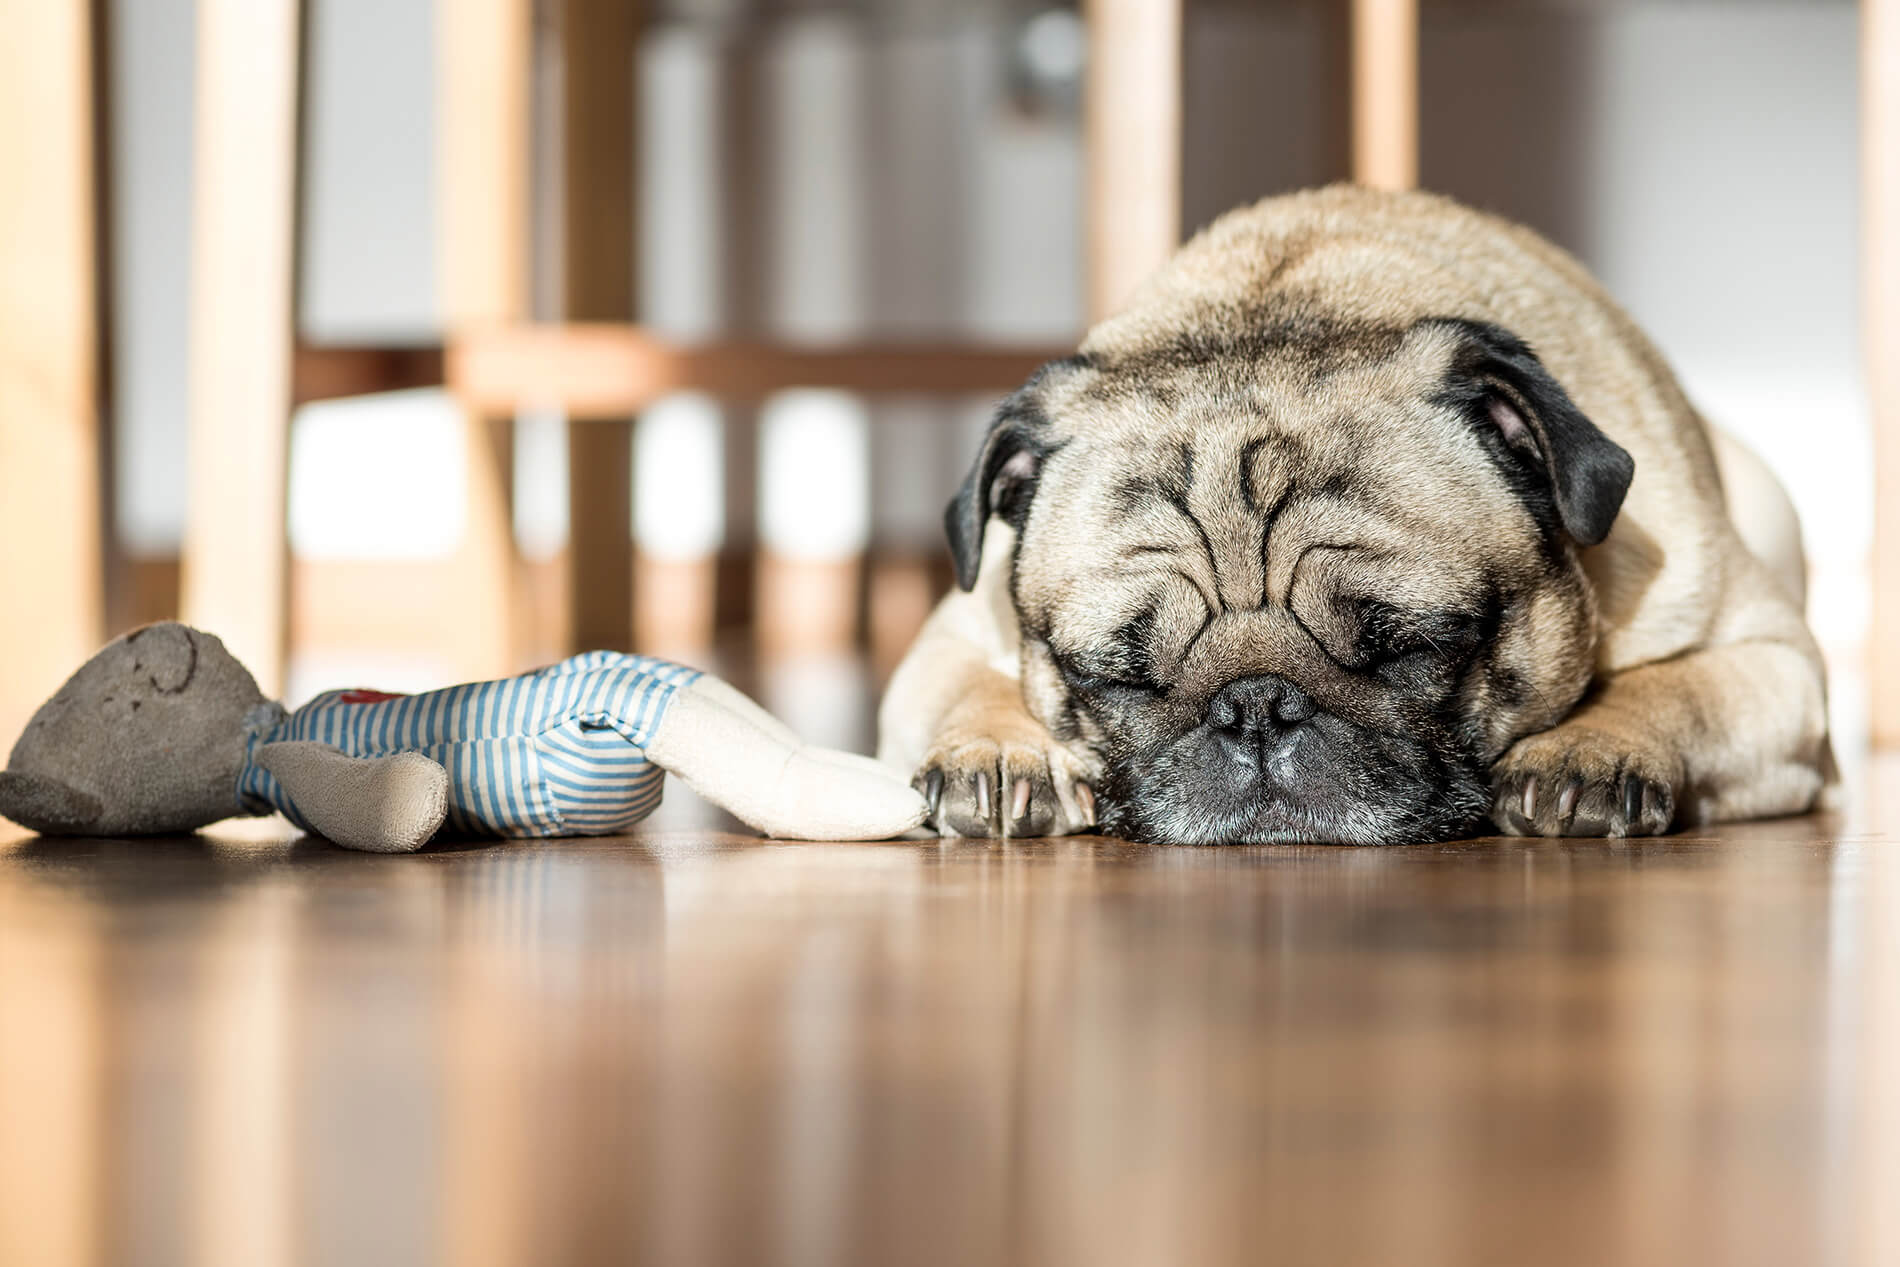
[695, 1047]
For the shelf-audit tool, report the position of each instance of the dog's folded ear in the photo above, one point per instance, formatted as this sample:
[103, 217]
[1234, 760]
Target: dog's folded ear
[1002, 482]
[46, 805]
[1502, 385]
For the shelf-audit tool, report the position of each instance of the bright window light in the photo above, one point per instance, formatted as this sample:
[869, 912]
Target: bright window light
[541, 483]
[378, 477]
[679, 462]
[814, 451]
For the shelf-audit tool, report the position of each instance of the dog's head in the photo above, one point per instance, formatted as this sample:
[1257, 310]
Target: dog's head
[1301, 581]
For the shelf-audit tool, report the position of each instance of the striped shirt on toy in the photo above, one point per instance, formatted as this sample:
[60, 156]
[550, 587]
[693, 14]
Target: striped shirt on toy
[560, 752]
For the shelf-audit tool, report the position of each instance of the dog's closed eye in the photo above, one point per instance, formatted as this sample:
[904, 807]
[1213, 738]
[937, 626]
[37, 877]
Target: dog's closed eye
[1388, 633]
[1089, 678]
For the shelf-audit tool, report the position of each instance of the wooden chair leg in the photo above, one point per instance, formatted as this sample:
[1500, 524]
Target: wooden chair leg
[486, 54]
[50, 547]
[1385, 93]
[1133, 144]
[244, 240]
[597, 47]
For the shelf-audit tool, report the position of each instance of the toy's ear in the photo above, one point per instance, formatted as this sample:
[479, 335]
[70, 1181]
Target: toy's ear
[46, 805]
[168, 652]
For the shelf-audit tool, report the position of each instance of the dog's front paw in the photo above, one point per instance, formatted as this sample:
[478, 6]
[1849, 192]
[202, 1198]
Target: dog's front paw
[1576, 780]
[1019, 785]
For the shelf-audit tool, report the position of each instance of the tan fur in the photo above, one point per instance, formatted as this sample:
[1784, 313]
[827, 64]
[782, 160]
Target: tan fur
[1660, 678]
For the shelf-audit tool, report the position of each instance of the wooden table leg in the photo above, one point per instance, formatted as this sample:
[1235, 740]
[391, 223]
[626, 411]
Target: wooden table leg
[486, 54]
[243, 303]
[1385, 93]
[1132, 138]
[50, 548]
[597, 45]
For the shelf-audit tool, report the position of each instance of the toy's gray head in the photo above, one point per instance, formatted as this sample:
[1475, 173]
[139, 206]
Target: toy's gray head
[148, 737]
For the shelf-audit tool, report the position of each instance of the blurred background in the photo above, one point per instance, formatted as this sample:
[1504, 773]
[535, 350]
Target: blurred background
[297, 208]
[402, 341]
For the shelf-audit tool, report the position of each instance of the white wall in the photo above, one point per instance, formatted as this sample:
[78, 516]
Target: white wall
[150, 228]
[1703, 162]
[369, 196]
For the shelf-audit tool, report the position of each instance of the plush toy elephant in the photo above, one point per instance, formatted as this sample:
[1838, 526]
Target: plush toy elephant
[164, 731]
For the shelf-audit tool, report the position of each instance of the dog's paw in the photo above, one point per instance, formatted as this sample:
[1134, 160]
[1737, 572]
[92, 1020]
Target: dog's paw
[1023, 785]
[1576, 780]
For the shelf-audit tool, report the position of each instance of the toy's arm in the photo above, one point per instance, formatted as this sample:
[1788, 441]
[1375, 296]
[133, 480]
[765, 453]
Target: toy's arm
[747, 762]
[388, 804]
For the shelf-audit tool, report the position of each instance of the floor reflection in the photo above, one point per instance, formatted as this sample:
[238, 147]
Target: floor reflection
[697, 1048]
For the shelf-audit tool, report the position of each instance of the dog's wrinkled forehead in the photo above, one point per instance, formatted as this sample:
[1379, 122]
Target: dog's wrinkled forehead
[1219, 474]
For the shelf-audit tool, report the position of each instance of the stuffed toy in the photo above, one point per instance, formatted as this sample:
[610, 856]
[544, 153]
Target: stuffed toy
[164, 731]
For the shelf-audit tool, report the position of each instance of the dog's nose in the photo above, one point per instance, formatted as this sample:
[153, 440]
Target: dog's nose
[1250, 710]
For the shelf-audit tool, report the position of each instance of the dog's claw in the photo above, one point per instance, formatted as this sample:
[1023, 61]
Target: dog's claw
[933, 789]
[1567, 800]
[989, 789]
[1604, 787]
[1632, 798]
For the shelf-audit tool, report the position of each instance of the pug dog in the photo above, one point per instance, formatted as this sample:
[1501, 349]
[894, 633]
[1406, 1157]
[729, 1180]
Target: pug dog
[1369, 519]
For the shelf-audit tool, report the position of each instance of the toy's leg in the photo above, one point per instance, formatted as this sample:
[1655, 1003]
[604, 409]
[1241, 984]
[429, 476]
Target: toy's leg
[388, 804]
[750, 765]
[743, 705]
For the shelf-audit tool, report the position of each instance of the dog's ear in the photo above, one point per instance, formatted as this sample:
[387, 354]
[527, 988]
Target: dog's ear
[1002, 482]
[1500, 383]
[46, 805]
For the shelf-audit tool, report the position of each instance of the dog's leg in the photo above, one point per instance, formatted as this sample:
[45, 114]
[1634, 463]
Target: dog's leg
[954, 714]
[1734, 731]
[1738, 730]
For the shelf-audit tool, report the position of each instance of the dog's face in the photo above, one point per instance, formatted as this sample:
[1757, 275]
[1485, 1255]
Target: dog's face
[1301, 583]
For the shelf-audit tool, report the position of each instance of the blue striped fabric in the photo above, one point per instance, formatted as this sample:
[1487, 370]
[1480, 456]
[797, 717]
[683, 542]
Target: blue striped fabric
[561, 752]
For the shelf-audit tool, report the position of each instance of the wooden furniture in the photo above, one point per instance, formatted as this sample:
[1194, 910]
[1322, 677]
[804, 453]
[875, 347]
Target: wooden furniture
[598, 205]
[483, 75]
[599, 368]
[1132, 136]
[236, 558]
[51, 553]
[1385, 93]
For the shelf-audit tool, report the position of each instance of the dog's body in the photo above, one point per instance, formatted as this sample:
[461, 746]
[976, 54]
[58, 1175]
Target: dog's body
[1332, 534]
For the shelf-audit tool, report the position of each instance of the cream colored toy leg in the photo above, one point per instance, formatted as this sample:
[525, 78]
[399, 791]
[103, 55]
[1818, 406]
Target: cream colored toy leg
[743, 760]
[388, 804]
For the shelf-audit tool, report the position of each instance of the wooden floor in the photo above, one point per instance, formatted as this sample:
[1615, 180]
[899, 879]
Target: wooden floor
[690, 1047]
